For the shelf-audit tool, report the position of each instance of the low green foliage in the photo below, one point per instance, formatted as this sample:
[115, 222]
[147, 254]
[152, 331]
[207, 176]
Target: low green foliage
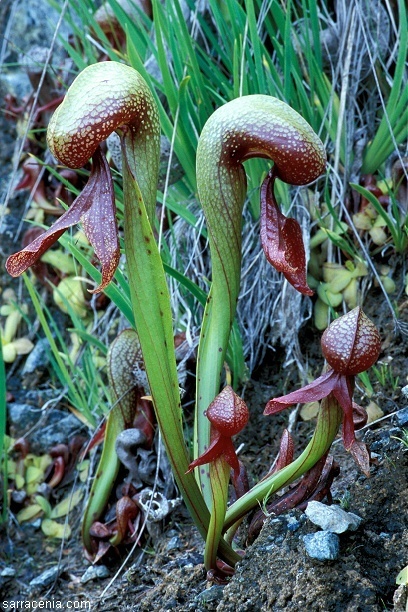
[80, 375]
[385, 376]
[393, 128]
[396, 220]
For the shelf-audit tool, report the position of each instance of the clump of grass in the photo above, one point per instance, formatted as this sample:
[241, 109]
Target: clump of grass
[79, 373]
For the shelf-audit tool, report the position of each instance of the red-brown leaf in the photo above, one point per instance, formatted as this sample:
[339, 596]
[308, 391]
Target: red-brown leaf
[316, 390]
[281, 239]
[285, 454]
[361, 456]
[126, 511]
[95, 209]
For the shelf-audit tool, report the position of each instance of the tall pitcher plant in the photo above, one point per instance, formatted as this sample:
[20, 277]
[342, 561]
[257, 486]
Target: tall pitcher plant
[110, 96]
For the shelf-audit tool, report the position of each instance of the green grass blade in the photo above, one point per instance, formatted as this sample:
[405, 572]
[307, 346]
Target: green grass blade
[66, 376]
[235, 354]
[287, 46]
[383, 142]
[257, 50]
[118, 294]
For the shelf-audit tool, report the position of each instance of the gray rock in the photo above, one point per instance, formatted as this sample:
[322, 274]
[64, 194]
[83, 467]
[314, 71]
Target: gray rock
[38, 397]
[23, 417]
[210, 595]
[33, 61]
[16, 83]
[32, 22]
[18, 496]
[174, 544]
[43, 439]
[36, 362]
[9, 223]
[400, 598]
[293, 523]
[95, 572]
[332, 518]
[401, 417]
[6, 575]
[47, 578]
[323, 545]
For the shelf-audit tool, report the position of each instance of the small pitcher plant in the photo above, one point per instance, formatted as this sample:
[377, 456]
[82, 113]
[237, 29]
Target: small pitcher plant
[108, 97]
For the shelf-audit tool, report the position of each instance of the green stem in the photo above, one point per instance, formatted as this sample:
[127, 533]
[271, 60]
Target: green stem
[152, 312]
[151, 307]
[219, 477]
[328, 423]
[251, 126]
[104, 480]
[124, 352]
